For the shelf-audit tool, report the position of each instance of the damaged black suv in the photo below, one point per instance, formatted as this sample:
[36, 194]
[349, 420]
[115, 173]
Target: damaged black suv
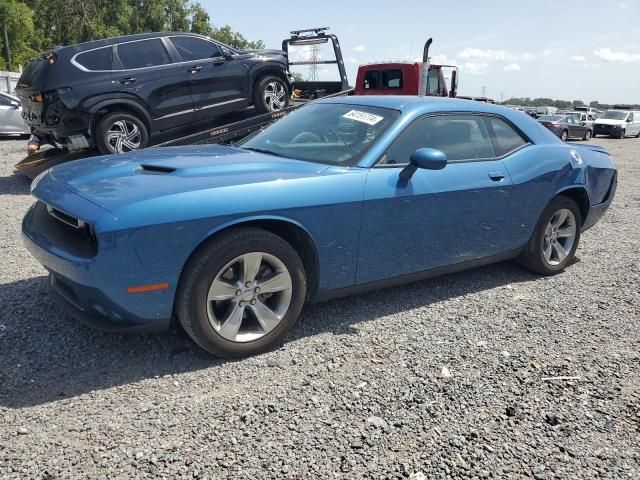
[114, 93]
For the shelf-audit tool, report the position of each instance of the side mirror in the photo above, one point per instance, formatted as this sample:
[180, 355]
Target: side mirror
[629, 120]
[226, 53]
[427, 158]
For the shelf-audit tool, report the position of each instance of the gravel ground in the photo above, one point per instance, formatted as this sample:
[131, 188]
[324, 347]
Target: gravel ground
[439, 379]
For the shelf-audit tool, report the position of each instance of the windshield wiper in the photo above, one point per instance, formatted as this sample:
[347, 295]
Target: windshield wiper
[264, 150]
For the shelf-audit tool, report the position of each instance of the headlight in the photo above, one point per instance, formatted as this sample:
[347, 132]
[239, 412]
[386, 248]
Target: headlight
[36, 180]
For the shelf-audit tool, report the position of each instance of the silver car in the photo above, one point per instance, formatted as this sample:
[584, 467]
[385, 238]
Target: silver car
[11, 122]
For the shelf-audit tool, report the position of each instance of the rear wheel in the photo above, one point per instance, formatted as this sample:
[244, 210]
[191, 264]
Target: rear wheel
[555, 238]
[587, 135]
[270, 94]
[241, 293]
[564, 135]
[120, 132]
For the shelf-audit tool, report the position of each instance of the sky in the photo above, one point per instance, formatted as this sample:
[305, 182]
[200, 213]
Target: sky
[579, 50]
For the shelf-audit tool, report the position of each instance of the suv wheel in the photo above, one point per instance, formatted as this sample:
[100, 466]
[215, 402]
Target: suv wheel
[270, 95]
[120, 132]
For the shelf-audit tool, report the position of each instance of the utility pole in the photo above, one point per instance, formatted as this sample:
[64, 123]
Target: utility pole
[6, 47]
[484, 91]
[501, 97]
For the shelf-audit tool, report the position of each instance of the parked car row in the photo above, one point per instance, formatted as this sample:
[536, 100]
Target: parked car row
[578, 124]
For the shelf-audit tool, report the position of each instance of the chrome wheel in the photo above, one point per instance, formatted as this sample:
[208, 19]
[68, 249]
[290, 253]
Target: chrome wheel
[275, 96]
[564, 135]
[123, 135]
[559, 237]
[249, 297]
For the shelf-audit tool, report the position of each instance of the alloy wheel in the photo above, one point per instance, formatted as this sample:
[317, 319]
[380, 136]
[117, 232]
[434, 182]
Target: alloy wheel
[249, 297]
[123, 136]
[275, 96]
[559, 236]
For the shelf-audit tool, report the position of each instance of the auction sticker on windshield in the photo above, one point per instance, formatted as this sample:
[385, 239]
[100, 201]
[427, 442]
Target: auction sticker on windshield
[364, 117]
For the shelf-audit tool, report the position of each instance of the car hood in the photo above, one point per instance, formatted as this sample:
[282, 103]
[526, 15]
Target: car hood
[607, 121]
[116, 180]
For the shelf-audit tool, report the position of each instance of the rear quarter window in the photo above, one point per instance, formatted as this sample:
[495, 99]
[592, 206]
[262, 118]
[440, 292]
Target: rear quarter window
[505, 138]
[100, 59]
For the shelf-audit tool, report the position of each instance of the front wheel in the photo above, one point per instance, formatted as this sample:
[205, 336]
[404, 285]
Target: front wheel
[120, 132]
[622, 134]
[564, 135]
[241, 293]
[270, 94]
[587, 135]
[555, 238]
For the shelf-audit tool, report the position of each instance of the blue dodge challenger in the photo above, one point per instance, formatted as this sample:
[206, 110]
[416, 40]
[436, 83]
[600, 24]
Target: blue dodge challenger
[341, 196]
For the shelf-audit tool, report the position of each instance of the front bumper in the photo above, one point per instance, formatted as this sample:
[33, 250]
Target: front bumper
[87, 305]
[613, 130]
[92, 284]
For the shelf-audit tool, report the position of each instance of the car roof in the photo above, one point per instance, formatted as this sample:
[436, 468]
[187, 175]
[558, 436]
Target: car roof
[124, 38]
[406, 103]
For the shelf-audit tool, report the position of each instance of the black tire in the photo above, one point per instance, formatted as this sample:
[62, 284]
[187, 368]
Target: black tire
[638, 135]
[533, 256]
[263, 87]
[203, 267]
[587, 135]
[594, 135]
[564, 135]
[622, 133]
[140, 138]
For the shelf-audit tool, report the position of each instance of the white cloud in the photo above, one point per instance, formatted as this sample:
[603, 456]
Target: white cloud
[616, 57]
[578, 58]
[440, 59]
[353, 60]
[547, 51]
[359, 48]
[493, 55]
[475, 68]
[512, 67]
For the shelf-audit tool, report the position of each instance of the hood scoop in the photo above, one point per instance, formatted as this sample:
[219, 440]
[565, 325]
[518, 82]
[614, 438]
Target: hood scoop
[156, 169]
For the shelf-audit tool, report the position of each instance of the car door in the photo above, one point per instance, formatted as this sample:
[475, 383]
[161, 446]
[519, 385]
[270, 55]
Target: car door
[634, 124]
[218, 84]
[438, 217]
[144, 69]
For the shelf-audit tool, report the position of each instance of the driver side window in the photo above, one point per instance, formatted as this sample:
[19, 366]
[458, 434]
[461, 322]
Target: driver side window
[192, 48]
[460, 137]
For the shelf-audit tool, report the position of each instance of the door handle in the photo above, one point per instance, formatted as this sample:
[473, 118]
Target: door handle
[496, 176]
[195, 69]
[128, 80]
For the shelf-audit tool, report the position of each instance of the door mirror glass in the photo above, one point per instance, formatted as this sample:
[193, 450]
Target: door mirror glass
[226, 53]
[429, 159]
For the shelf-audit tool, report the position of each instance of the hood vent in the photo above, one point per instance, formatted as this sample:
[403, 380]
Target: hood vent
[156, 169]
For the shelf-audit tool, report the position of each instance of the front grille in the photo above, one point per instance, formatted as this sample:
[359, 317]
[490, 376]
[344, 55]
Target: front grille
[66, 232]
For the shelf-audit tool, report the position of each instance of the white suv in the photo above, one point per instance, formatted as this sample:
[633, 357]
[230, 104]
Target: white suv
[618, 123]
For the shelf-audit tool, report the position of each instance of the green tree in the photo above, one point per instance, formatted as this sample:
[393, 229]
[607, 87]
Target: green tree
[234, 39]
[200, 22]
[16, 25]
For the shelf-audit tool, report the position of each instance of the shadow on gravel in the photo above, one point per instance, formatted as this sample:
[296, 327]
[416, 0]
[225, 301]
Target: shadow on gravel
[14, 185]
[48, 356]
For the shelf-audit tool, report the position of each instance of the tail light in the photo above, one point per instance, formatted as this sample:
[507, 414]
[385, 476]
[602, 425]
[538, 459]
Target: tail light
[37, 97]
[51, 58]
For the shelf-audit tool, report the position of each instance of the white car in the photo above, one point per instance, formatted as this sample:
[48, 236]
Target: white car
[11, 122]
[618, 123]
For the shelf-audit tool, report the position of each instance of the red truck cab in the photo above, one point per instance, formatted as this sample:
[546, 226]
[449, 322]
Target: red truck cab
[404, 78]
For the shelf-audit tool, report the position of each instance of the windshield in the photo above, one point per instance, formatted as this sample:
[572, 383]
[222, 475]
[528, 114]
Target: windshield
[336, 134]
[550, 118]
[613, 115]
